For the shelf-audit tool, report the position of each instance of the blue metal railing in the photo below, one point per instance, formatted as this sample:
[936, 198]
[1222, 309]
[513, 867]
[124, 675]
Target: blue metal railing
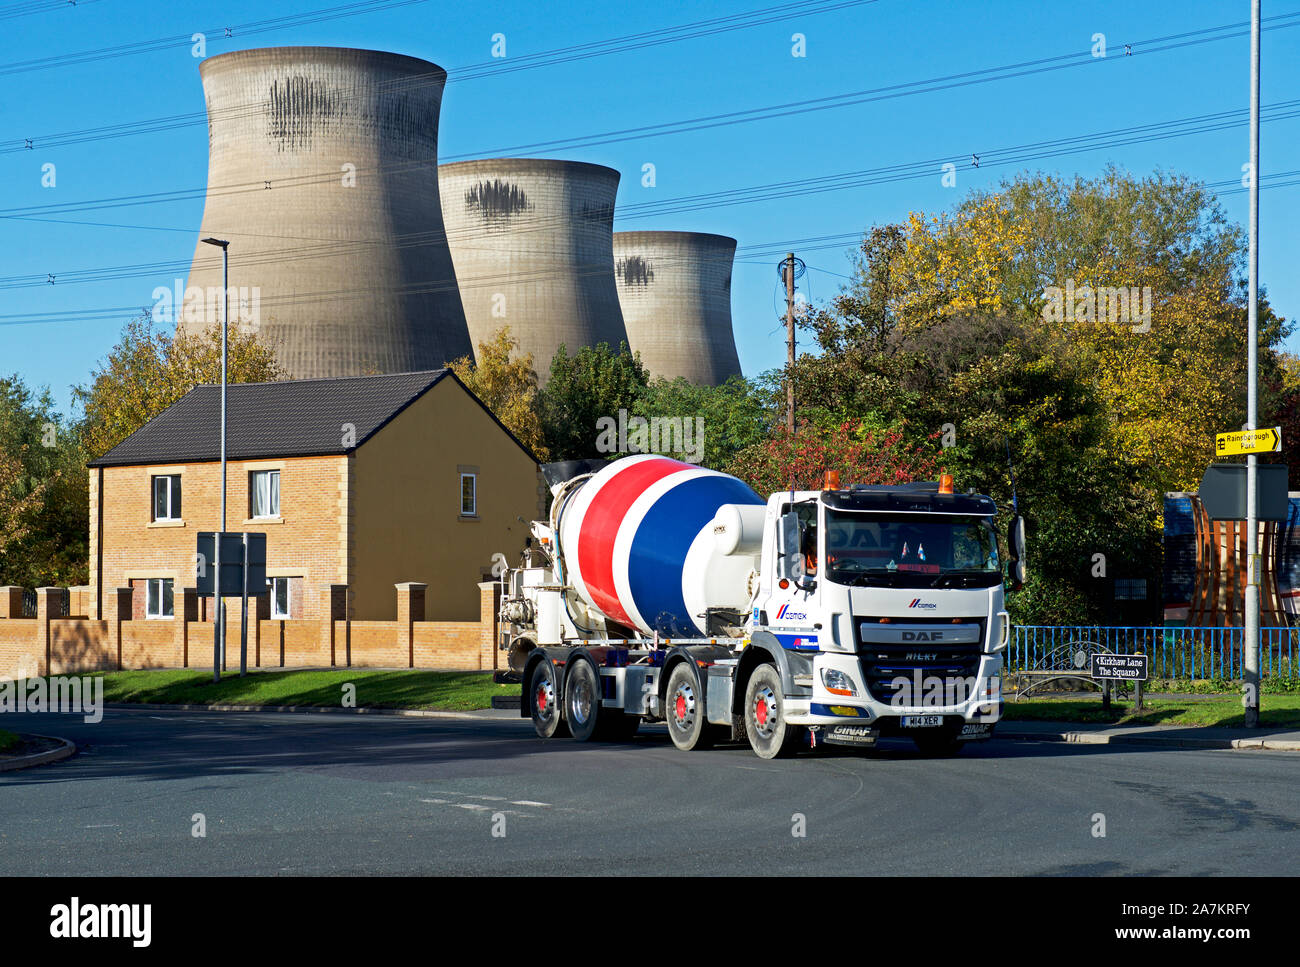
[1174, 652]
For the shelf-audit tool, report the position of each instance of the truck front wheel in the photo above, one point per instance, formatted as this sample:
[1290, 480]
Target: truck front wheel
[770, 736]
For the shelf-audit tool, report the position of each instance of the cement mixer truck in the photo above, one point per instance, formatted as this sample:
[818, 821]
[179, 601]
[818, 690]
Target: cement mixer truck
[660, 591]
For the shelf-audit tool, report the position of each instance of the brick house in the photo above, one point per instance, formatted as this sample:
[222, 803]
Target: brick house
[359, 483]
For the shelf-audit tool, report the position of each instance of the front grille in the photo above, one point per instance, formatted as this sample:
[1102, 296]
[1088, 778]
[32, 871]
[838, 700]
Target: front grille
[883, 663]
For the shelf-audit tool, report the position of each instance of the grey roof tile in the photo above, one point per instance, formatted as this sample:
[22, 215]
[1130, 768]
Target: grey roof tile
[268, 420]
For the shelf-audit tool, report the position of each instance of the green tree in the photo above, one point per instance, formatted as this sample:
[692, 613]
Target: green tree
[507, 385]
[594, 383]
[948, 326]
[149, 370]
[44, 501]
[724, 419]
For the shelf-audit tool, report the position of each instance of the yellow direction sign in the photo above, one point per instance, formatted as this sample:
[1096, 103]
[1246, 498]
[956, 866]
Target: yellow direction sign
[1267, 440]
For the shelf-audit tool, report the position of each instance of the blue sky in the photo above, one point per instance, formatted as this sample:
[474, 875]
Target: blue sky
[857, 47]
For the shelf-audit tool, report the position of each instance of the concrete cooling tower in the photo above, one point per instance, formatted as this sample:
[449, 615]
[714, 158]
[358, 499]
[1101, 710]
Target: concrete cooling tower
[675, 291]
[322, 175]
[532, 244]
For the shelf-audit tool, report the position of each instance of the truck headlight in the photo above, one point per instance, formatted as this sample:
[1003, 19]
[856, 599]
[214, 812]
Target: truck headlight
[837, 683]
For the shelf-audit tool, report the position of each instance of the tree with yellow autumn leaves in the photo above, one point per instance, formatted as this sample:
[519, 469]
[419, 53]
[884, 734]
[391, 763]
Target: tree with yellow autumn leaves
[150, 369]
[1092, 330]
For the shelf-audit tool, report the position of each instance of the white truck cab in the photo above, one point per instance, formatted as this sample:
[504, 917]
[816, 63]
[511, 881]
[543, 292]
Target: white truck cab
[895, 596]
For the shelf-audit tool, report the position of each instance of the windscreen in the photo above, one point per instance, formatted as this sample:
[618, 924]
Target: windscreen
[911, 550]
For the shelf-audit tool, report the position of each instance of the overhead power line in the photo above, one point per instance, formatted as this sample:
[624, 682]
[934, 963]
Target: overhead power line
[760, 254]
[248, 29]
[747, 254]
[888, 174]
[650, 38]
[15, 10]
[889, 92]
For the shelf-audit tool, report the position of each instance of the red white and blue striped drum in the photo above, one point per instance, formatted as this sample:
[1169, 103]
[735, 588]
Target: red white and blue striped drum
[638, 545]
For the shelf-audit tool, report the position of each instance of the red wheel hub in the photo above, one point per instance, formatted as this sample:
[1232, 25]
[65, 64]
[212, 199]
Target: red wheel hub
[541, 699]
[680, 708]
[760, 712]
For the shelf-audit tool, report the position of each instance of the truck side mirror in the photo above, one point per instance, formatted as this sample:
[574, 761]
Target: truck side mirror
[788, 540]
[1016, 547]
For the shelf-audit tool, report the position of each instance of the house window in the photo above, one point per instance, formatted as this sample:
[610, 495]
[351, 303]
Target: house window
[264, 493]
[469, 494]
[158, 599]
[167, 498]
[281, 601]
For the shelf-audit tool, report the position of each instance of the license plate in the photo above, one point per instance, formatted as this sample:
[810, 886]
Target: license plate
[922, 721]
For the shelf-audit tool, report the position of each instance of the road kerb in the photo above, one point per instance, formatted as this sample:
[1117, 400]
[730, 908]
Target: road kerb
[1181, 742]
[65, 751]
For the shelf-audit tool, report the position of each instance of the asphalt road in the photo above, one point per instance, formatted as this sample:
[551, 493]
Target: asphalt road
[334, 794]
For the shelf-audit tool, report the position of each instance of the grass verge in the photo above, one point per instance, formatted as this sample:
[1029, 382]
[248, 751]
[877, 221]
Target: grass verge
[442, 691]
[1276, 711]
[8, 740]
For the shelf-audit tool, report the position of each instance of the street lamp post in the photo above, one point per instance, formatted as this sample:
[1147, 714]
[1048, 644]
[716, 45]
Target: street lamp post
[219, 611]
[1251, 650]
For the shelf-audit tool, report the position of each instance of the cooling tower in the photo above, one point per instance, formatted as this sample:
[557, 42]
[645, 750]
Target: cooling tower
[322, 175]
[532, 243]
[675, 290]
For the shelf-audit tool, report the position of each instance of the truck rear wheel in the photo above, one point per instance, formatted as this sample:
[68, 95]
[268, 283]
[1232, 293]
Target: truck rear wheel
[687, 725]
[582, 699]
[543, 698]
[770, 736]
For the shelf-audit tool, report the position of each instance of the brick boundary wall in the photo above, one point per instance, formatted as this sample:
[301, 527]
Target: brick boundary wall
[53, 643]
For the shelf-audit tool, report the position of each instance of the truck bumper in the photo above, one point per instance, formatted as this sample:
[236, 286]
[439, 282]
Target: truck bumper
[971, 717]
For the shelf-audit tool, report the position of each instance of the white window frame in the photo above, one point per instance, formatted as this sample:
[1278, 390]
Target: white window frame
[173, 479]
[473, 511]
[252, 494]
[160, 583]
[276, 613]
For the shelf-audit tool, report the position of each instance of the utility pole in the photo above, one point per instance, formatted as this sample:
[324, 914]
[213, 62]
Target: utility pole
[788, 273]
[1251, 644]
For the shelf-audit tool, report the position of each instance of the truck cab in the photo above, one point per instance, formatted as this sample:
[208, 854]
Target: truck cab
[887, 603]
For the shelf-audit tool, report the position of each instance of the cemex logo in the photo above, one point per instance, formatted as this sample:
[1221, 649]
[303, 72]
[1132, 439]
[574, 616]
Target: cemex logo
[102, 921]
[925, 605]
